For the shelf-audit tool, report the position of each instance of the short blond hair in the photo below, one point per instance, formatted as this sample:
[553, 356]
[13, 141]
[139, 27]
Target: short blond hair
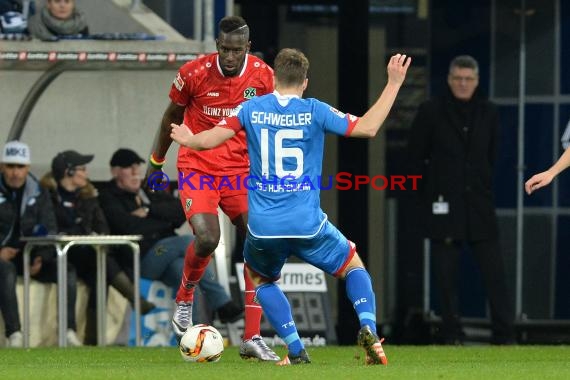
[291, 67]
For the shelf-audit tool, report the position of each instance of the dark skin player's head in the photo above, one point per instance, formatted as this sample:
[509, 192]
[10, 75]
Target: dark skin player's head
[232, 44]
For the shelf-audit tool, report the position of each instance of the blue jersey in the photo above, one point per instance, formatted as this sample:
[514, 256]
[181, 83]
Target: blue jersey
[285, 143]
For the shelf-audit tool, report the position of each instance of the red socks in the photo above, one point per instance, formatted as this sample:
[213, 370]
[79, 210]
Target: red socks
[194, 267]
[252, 309]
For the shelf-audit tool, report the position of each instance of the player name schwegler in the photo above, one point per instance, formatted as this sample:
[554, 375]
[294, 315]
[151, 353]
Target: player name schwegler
[291, 120]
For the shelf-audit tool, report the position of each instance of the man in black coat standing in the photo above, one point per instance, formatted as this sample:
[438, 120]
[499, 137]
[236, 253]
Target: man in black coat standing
[452, 144]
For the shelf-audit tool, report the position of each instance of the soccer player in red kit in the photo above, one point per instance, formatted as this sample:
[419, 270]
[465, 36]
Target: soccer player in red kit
[204, 92]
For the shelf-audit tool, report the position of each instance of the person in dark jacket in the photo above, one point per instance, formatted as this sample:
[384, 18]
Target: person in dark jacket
[452, 144]
[156, 215]
[78, 212]
[26, 210]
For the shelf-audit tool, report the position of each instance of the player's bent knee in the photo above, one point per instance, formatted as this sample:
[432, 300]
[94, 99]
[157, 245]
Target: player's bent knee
[205, 245]
[355, 262]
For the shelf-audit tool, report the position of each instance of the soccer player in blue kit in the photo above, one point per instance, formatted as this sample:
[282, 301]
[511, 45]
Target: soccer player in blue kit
[285, 138]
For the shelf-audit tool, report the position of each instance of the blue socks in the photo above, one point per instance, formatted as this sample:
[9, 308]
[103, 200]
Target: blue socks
[359, 291]
[278, 312]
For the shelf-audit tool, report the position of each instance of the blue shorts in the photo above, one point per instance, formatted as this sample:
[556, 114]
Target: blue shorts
[329, 251]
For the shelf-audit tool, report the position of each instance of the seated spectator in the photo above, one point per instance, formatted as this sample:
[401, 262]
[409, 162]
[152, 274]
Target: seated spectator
[26, 210]
[78, 212]
[58, 19]
[156, 216]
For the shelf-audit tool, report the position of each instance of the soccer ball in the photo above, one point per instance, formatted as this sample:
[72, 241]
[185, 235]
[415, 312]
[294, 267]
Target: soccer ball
[201, 343]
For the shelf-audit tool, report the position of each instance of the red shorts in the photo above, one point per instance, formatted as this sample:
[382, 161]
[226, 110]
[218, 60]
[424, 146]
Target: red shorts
[202, 193]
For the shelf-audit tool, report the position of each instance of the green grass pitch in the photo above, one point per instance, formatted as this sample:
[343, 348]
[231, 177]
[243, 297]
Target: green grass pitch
[328, 363]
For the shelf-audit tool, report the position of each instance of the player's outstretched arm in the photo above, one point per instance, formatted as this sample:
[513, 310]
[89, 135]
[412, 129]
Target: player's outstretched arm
[543, 179]
[369, 124]
[208, 139]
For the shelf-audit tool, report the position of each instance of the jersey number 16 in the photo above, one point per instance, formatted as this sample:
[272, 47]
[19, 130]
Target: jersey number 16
[281, 153]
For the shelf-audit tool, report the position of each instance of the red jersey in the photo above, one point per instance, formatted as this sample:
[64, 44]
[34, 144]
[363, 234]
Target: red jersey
[209, 96]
